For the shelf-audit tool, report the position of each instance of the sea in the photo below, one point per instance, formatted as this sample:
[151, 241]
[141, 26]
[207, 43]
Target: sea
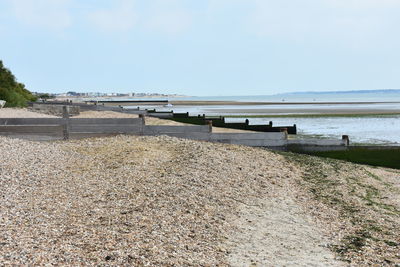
[362, 130]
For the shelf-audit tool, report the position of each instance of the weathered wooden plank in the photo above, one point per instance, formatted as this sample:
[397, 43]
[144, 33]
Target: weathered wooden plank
[55, 121]
[31, 121]
[193, 136]
[255, 142]
[164, 129]
[109, 121]
[134, 129]
[318, 142]
[248, 136]
[31, 129]
[161, 115]
[90, 135]
[134, 111]
[34, 137]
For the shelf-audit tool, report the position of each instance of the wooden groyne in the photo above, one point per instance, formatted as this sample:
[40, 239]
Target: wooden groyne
[220, 121]
[72, 128]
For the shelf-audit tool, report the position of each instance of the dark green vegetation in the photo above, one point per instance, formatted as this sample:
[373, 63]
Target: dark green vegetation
[375, 157]
[12, 91]
[360, 206]
[45, 96]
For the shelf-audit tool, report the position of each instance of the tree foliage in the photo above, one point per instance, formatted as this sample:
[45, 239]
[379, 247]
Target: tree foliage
[12, 91]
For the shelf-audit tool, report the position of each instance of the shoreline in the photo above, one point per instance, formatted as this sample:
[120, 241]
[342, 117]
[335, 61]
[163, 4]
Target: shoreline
[229, 103]
[318, 115]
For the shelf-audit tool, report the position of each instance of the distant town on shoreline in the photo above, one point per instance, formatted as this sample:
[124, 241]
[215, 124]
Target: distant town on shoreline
[138, 94]
[99, 94]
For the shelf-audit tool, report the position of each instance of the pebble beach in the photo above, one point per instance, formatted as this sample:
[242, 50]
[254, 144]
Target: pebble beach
[163, 201]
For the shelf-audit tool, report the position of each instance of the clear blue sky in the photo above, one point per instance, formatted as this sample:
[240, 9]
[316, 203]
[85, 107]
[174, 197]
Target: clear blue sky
[202, 47]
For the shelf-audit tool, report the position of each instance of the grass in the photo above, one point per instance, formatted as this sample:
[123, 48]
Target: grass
[375, 157]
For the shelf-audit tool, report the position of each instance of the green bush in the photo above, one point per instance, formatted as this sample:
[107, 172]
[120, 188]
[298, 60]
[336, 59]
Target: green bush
[11, 91]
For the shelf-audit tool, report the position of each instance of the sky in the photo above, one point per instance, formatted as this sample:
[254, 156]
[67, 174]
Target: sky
[201, 47]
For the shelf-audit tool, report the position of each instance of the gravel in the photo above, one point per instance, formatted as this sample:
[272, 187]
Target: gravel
[127, 200]
[163, 201]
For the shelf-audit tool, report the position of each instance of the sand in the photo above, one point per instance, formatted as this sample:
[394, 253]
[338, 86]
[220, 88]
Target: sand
[305, 111]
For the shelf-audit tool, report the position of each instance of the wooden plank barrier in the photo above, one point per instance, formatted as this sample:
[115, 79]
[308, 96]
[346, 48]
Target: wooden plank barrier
[166, 129]
[31, 121]
[108, 121]
[33, 132]
[31, 129]
[105, 128]
[64, 128]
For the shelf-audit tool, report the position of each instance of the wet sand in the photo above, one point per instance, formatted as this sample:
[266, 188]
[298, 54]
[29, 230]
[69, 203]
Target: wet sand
[306, 111]
[227, 103]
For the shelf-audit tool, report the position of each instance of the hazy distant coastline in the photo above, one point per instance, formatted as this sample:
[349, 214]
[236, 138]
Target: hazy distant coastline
[383, 91]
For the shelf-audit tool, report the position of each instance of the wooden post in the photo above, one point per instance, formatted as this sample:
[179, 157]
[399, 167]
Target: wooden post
[284, 130]
[209, 123]
[142, 116]
[65, 123]
[346, 139]
[270, 124]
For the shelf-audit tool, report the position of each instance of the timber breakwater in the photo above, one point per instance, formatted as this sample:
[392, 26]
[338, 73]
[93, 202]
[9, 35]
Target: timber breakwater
[219, 121]
[67, 127]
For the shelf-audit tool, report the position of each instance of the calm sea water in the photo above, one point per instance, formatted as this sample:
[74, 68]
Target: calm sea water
[383, 130]
[305, 97]
[366, 130]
